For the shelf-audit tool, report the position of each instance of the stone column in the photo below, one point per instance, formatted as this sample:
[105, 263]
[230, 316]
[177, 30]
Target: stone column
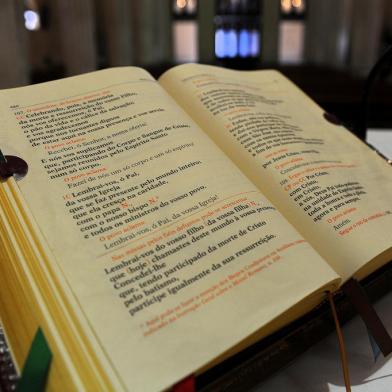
[14, 67]
[327, 34]
[115, 16]
[151, 30]
[76, 25]
[368, 18]
[269, 28]
[206, 30]
[388, 17]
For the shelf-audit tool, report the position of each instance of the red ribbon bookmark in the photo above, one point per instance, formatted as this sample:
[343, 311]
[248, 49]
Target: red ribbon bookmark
[186, 385]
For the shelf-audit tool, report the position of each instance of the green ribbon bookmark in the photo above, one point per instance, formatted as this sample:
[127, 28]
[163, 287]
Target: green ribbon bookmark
[36, 368]
[2, 157]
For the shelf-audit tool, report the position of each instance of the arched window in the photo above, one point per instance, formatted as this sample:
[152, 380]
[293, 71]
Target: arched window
[292, 31]
[185, 33]
[237, 31]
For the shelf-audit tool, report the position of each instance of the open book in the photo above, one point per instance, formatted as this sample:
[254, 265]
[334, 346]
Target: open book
[165, 225]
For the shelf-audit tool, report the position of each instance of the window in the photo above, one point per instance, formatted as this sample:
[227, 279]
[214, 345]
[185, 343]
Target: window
[291, 31]
[237, 32]
[32, 16]
[185, 31]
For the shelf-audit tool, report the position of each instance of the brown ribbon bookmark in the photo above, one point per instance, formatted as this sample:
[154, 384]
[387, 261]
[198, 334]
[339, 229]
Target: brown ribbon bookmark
[360, 301]
[342, 349]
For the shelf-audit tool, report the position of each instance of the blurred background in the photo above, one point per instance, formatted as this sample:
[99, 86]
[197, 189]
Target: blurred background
[327, 47]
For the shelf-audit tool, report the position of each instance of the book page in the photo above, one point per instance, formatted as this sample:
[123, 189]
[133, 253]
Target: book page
[162, 240]
[333, 188]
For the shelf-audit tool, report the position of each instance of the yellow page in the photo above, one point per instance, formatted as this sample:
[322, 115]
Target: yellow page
[328, 184]
[172, 253]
